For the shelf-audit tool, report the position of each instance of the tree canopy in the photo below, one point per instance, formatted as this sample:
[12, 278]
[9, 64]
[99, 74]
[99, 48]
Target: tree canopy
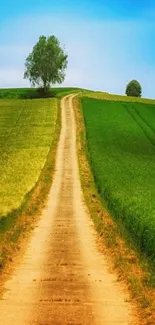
[46, 64]
[134, 89]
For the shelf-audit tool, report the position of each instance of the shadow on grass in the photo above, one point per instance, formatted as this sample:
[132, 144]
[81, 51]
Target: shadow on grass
[34, 93]
[37, 93]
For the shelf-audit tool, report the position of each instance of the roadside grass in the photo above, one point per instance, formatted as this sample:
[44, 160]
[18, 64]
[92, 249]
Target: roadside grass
[61, 92]
[35, 180]
[132, 267]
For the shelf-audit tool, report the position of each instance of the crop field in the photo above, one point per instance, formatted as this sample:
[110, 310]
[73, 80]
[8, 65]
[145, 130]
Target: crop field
[107, 96]
[121, 150]
[26, 131]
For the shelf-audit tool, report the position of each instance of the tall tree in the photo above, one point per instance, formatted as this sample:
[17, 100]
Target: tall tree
[46, 64]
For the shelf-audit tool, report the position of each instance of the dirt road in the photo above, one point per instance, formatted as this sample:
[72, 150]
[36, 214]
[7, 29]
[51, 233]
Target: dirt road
[62, 278]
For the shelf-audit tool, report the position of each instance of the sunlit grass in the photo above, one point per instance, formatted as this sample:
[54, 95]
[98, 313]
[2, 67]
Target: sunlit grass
[121, 139]
[26, 132]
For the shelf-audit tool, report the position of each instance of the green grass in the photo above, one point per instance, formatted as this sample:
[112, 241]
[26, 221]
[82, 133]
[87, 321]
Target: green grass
[26, 132]
[121, 149]
[112, 97]
[28, 93]
[61, 92]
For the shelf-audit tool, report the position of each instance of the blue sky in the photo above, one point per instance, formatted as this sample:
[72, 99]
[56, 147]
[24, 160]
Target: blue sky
[109, 42]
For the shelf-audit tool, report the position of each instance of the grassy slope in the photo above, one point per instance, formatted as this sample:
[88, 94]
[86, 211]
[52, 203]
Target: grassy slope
[122, 155]
[132, 268]
[22, 93]
[16, 228]
[26, 132]
[107, 96]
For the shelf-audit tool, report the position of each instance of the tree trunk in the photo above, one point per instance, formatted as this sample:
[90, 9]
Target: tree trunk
[45, 87]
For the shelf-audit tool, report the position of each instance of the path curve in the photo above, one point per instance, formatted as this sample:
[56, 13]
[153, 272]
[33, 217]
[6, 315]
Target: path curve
[63, 279]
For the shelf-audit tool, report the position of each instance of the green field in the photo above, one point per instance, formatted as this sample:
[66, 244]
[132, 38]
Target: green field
[26, 132]
[30, 93]
[118, 98]
[121, 149]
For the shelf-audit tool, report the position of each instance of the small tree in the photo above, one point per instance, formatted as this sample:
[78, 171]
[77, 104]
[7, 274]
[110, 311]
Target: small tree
[46, 64]
[134, 89]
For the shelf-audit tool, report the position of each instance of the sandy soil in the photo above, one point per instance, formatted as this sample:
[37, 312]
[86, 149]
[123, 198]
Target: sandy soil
[63, 279]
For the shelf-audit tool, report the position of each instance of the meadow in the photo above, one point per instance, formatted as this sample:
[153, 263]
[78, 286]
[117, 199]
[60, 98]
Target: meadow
[121, 150]
[31, 93]
[26, 132]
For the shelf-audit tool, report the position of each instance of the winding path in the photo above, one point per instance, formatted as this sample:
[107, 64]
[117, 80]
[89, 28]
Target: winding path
[63, 279]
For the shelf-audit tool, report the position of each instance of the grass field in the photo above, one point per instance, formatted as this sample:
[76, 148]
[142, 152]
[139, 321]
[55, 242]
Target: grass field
[24, 93]
[121, 149]
[119, 98]
[26, 131]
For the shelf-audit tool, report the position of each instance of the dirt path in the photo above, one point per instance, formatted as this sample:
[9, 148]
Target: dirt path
[63, 279]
